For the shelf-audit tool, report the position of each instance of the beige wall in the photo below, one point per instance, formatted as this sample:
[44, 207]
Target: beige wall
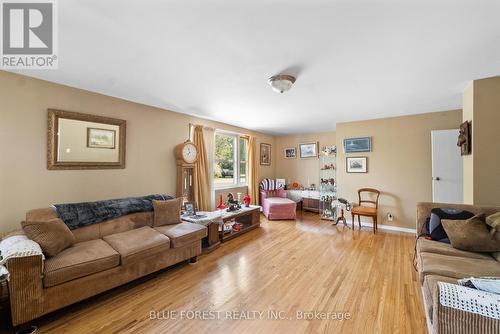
[399, 164]
[25, 182]
[482, 176]
[300, 170]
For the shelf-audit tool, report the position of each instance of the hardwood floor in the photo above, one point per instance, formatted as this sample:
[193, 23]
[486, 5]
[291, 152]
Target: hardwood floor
[285, 266]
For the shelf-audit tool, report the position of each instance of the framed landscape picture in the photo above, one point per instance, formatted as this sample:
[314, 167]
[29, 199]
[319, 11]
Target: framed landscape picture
[356, 164]
[265, 154]
[101, 138]
[290, 153]
[308, 150]
[362, 144]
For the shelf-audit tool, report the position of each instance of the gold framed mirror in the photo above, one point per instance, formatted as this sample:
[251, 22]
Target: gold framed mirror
[83, 141]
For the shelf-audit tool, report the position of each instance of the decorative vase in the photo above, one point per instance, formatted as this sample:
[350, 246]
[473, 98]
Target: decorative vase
[246, 200]
[221, 205]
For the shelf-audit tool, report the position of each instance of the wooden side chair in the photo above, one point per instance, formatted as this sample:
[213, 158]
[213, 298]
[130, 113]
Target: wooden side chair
[366, 211]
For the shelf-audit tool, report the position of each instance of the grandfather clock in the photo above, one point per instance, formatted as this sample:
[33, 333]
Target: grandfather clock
[186, 155]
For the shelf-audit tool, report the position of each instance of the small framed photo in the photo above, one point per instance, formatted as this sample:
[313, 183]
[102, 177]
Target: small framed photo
[280, 183]
[189, 209]
[356, 164]
[290, 152]
[101, 138]
[329, 150]
[265, 154]
[353, 145]
[308, 150]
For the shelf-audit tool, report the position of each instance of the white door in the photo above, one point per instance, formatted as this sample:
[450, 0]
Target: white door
[447, 167]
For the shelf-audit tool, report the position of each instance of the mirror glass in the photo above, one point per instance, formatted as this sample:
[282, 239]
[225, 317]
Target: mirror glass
[81, 141]
[84, 141]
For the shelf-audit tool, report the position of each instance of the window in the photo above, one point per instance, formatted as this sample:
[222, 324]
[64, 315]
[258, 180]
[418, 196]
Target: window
[231, 152]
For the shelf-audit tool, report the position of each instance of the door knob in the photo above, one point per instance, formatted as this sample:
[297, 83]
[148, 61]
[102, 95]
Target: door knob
[436, 178]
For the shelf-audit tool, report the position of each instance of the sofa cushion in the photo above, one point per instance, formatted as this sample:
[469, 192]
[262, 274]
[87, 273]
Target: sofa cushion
[430, 290]
[471, 235]
[496, 256]
[280, 201]
[125, 223]
[82, 259]
[52, 235]
[183, 233]
[167, 212]
[432, 246]
[457, 267]
[136, 244]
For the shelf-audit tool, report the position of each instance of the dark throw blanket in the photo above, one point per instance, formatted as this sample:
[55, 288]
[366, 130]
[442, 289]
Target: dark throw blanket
[77, 215]
[434, 226]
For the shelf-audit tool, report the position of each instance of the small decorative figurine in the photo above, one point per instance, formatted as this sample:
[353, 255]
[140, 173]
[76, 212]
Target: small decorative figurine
[232, 204]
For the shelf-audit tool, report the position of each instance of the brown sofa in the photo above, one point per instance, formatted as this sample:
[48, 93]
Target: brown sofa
[104, 256]
[440, 262]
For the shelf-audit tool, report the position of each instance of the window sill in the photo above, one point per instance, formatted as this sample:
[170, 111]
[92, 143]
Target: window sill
[230, 186]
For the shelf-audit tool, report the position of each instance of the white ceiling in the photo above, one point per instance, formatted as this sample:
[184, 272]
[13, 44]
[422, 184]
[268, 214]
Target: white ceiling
[354, 59]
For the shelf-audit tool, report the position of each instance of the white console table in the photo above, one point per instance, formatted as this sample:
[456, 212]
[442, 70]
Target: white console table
[308, 198]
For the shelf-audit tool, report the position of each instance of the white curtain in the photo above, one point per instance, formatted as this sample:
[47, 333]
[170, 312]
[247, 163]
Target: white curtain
[209, 136]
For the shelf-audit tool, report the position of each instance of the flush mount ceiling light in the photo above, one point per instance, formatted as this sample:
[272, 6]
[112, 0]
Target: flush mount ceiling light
[282, 82]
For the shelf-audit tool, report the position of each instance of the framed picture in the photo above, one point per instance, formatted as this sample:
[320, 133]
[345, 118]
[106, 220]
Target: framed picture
[189, 208]
[265, 154]
[101, 138]
[290, 153]
[356, 164]
[329, 150]
[308, 150]
[363, 144]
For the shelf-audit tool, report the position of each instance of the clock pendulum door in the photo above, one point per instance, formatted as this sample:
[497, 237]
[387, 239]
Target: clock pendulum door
[186, 155]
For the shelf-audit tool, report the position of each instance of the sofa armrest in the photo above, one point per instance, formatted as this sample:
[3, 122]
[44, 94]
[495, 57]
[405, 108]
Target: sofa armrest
[449, 320]
[25, 288]
[263, 194]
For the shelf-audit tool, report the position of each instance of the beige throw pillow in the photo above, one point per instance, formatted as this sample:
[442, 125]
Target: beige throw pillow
[167, 212]
[471, 235]
[52, 235]
[494, 221]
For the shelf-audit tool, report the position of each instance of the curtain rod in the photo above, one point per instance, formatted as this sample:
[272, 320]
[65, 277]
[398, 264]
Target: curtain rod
[245, 135]
[204, 127]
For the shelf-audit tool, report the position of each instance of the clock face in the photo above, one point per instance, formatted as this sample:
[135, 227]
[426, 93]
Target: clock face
[189, 153]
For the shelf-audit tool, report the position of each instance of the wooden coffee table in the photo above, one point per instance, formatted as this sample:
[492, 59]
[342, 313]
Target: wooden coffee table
[248, 218]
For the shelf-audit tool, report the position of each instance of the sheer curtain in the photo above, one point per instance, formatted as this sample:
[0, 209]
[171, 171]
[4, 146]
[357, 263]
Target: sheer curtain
[209, 136]
[253, 177]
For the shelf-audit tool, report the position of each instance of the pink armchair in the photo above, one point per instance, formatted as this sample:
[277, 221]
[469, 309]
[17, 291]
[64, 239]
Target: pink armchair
[276, 206]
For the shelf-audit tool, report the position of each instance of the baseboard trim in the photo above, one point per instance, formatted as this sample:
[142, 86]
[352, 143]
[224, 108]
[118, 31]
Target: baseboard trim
[390, 228]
